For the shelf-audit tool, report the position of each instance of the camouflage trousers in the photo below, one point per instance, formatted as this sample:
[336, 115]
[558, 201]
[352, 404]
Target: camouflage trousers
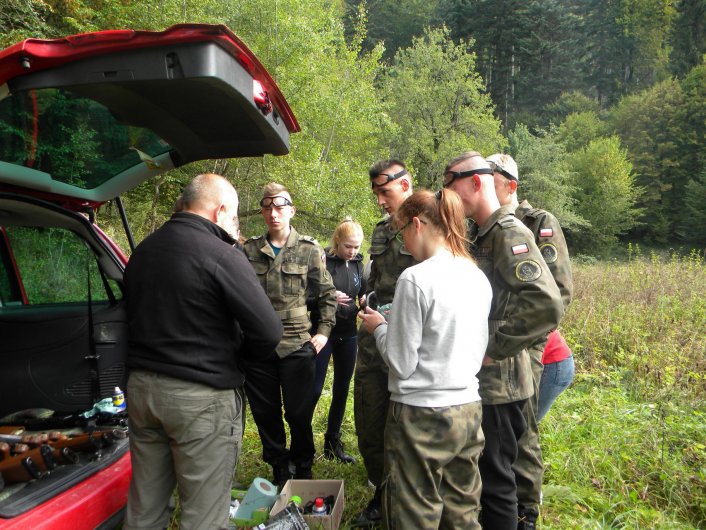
[529, 466]
[370, 402]
[431, 467]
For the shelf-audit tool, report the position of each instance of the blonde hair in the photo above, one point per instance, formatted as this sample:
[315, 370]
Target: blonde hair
[443, 210]
[346, 229]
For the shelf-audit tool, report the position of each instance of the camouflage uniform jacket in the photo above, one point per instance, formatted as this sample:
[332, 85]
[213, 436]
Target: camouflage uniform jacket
[552, 244]
[388, 259]
[526, 304]
[300, 265]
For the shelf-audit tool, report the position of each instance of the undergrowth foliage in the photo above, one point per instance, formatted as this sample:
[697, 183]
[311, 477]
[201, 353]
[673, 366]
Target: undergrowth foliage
[644, 318]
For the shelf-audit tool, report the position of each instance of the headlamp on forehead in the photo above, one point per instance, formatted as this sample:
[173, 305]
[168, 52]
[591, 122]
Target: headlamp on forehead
[497, 168]
[278, 201]
[388, 177]
[450, 176]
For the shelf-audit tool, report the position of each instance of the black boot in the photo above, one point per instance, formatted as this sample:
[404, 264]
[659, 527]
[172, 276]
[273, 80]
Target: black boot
[333, 448]
[303, 472]
[371, 517]
[527, 518]
[281, 474]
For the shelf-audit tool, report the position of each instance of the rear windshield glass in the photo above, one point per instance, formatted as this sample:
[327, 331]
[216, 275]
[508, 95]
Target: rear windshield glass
[74, 139]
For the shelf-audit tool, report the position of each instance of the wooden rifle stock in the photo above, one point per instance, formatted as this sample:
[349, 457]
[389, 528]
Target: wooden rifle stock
[19, 468]
[33, 463]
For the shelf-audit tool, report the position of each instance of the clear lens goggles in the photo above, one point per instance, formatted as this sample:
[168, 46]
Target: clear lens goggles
[278, 201]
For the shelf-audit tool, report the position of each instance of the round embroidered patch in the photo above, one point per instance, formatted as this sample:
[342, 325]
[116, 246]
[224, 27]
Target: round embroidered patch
[549, 252]
[528, 270]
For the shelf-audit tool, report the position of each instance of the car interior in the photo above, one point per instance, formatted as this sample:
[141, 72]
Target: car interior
[57, 282]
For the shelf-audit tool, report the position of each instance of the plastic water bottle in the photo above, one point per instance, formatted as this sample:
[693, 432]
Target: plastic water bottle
[118, 398]
[319, 507]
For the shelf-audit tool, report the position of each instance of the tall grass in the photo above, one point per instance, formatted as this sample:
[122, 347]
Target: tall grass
[624, 446]
[645, 318]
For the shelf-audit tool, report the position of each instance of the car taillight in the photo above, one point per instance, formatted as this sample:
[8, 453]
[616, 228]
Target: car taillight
[261, 98]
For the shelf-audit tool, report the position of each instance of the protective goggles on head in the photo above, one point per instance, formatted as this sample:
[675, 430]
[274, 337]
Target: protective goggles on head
[497, 168]
[278, 201]
[389, 178]
[450, 176]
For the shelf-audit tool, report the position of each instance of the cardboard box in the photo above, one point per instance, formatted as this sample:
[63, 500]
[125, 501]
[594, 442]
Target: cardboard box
[308, 490]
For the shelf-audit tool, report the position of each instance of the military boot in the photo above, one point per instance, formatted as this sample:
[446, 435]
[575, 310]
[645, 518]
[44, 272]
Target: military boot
[303, 472]
[527, 518]
[281, 474]
[371, 517]
[333, 448]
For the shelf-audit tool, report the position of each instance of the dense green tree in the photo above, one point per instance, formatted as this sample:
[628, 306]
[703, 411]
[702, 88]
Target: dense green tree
[538, 62]
[606, 193]
[528, 50]
[694, 216]
[649, 125]
[392, 23]
[546, 180]
[625, 44]
[21, 19]
[688, 36]
[495, 28]
[692, 145]
[692, 119]
[578, 129]
[436, 100]
[329, 84]
[569, 102]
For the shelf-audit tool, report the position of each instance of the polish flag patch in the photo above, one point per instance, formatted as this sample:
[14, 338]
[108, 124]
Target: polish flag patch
[546, 232]
[520, 249]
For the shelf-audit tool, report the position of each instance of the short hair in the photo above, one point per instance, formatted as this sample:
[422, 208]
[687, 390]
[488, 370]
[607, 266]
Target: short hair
[207, 189]
[508, 166]
[462, 158]
[346, 229]
[444, 211]
[381, 165]
[273, 188]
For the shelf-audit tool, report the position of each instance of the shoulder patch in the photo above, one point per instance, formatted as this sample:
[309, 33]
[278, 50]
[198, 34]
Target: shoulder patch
[507, 221]
[528, 270]
[522, 248]
[549, 252]
[546, 232]
[534, 212]
[254, 238]
[308, 239]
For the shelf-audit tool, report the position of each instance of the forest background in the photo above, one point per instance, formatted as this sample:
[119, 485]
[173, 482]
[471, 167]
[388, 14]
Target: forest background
[603, 105]
[601, 102]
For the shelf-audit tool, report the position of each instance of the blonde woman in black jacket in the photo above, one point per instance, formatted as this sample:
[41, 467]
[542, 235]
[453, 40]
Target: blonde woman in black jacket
[345, 264]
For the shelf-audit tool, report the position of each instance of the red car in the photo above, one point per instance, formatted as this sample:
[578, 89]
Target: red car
[83, 119]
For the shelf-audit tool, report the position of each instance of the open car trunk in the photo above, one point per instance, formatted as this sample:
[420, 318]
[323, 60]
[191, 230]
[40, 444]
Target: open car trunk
[82, 120]
[53, 368]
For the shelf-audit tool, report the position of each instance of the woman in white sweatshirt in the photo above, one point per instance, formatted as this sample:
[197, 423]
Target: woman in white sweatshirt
[433, 345]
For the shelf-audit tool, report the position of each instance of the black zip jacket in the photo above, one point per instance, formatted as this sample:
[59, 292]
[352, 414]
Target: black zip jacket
[195, 305]
[348, 279]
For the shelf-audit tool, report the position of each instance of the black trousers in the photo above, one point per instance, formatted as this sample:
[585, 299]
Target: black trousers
[503, 425]
[287, 382]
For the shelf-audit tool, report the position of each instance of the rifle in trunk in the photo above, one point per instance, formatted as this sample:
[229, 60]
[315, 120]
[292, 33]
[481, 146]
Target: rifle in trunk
[37, 457]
